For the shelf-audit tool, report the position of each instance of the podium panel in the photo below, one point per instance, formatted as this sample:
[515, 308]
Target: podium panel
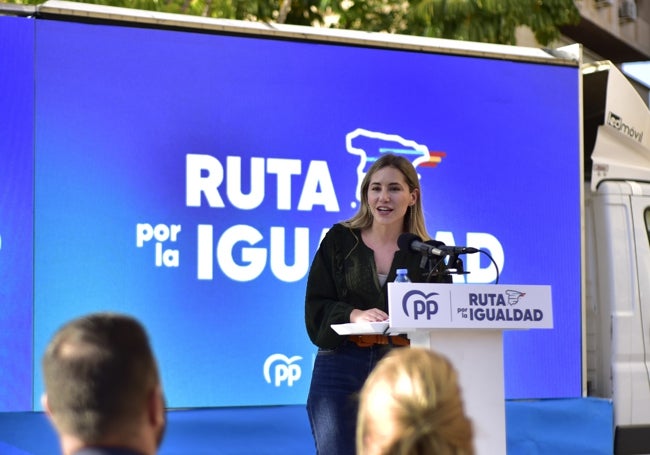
[466, 323]
[455, 306]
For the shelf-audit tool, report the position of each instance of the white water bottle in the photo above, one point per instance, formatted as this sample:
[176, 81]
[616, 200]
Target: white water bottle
[402, 276]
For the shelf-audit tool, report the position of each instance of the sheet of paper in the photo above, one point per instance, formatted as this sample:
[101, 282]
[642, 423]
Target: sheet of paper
[361, 328]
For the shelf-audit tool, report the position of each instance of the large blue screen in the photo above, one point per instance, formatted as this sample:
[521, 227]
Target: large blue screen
[188, 178]
[16, 212]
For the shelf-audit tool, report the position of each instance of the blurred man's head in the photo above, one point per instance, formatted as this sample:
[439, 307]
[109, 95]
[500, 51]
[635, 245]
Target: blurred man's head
[102, 385]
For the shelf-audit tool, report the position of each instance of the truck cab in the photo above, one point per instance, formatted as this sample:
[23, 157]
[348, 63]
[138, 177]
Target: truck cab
[617, 251]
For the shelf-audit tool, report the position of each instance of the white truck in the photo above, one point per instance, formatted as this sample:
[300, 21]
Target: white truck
[617, 251]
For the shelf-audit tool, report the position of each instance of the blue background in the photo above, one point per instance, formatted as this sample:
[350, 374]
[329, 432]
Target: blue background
[16, 212]
[118, 109]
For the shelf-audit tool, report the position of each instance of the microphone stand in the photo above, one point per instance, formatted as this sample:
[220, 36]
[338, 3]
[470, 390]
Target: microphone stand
[455, 265]
[432, 269]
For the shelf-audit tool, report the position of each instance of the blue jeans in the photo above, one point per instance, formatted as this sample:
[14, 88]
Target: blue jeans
[332, 403]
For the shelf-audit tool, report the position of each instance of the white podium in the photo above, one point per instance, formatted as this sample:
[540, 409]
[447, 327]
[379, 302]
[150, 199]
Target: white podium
[465, 323]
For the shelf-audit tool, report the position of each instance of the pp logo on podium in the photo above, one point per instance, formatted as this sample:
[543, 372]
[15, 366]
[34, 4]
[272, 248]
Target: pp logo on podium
[416, 304]
[279, 368]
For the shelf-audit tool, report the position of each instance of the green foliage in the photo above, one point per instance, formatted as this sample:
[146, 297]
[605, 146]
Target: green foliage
[493, 21]
[372, 16]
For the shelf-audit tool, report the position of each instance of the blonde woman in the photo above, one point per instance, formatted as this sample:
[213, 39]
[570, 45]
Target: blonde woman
[347, 283]
[411, 404]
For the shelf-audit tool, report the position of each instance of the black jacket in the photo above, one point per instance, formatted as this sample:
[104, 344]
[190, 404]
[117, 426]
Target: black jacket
[343, 277]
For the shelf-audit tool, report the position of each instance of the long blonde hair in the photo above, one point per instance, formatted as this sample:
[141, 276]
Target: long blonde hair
[414, 218]
[423, 401]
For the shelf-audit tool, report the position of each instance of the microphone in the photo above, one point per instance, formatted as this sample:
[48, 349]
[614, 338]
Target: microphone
[458, 249]
[408, 241]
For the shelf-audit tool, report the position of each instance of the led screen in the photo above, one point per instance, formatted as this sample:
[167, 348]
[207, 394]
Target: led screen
[188, 178]
[16, 212]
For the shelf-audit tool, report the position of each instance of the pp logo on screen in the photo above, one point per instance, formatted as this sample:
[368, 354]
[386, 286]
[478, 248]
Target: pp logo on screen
[279, 368]
[416, 304]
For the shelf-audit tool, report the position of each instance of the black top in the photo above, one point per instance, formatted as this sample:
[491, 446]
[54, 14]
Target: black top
[343, 277]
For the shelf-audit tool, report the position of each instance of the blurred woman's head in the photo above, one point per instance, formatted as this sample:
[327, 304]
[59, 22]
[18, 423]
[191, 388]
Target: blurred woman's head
[411, 404]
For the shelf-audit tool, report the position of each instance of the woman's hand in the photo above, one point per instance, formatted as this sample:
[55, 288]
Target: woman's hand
[373, 315]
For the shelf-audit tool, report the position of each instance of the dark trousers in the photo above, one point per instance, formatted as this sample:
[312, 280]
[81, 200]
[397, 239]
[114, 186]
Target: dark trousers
[332, 403]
